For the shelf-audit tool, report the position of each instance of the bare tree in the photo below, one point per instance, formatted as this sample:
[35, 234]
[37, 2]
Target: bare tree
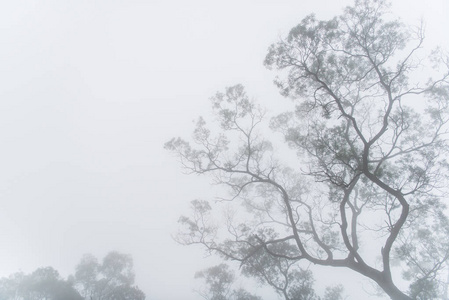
[365, 189]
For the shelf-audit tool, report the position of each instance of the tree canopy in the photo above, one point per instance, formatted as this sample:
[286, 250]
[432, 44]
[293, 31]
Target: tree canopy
[366, 189]
[219, 281]
[111, 280]
[44, 283]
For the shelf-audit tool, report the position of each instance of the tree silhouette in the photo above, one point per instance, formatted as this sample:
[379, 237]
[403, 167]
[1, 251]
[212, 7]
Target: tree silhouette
[364, 192]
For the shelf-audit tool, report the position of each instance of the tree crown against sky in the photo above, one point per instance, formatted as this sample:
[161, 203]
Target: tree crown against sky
[366, 190]
[113, 279]
[43, 283]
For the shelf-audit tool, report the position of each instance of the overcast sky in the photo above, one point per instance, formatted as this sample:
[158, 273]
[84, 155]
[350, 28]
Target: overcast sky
[92, 89]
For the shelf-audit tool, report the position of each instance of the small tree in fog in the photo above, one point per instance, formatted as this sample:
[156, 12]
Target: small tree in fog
[42, 284]
[113, 279]
[219, 281]
[365, 190]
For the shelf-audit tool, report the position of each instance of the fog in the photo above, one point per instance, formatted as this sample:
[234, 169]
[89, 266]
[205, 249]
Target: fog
[90, 92]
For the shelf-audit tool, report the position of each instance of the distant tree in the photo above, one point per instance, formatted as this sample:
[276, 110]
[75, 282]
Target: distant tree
[334, 293]
[365, 190]
[219, 282]
[10, 286]
[42, 284]
[86, 275]
[113, 279]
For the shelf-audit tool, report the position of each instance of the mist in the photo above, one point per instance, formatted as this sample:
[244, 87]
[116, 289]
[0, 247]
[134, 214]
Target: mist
[91, 91]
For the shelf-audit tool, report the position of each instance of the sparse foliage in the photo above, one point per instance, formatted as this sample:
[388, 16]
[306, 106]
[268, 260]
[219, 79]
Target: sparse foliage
[371, 169]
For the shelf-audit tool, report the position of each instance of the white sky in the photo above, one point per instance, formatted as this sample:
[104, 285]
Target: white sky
[92, 89]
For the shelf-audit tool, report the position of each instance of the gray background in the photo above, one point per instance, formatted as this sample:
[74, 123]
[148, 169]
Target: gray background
[89, 92]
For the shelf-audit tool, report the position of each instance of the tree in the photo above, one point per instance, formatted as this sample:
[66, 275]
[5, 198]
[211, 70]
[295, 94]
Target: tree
[365, 190]
[219, 280]
[113, 279]
[42, 284]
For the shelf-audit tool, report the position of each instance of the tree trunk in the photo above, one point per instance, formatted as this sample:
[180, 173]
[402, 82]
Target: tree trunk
[393, 291]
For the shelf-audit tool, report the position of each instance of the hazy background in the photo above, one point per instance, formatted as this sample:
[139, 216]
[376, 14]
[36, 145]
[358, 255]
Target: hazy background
[90, 90]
